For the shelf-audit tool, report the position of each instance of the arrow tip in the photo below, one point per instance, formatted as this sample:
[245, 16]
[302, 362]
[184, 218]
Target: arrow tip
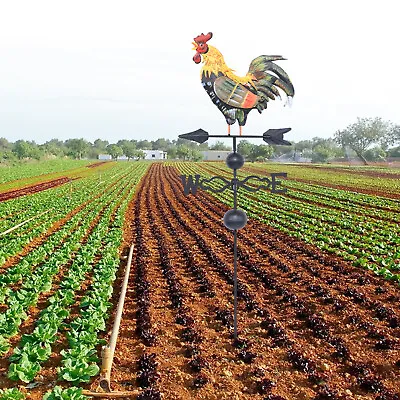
[199, 136]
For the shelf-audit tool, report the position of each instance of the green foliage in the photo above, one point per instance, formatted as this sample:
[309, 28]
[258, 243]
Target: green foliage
[54, 147]
[375, 154]
[324, 150]
[4, 346]
[11, 394]
[77, 148]
[362, 229]
[40, 266]
[78, 370]
[364, 133]
[25, 370]
[394, 152]
[114, 150]
[58, 393]
[24, 149]
[253, 152]
[218, 145]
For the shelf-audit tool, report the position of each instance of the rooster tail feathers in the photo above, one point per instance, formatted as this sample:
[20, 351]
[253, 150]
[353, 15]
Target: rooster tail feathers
[286, 86]
[267, 86]
[261, 68]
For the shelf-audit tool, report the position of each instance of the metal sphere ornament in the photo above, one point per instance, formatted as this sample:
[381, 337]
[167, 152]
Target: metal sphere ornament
[235, 219]
[234, 160]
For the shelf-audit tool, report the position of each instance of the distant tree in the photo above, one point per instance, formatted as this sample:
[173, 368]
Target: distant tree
[218, 145]
[195, 155]
[54, 147]
[260, 153]
[100, 145]
[301, 149]
[183, 152]
[245, 148]
[394, 152]
[364, 133]
[129, 149]
[5, 144]
[24, 149]
[138, 154]
[7, 156]
[281, 150]
[161, 144]
[172, 153]
[144, 145]
[393, 137]
[114, 150]
[77, 148]
[324, 150]
[375, 154]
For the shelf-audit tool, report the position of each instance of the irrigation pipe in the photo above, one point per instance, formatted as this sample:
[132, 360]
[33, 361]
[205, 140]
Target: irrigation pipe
[23, 223]
[108, 351]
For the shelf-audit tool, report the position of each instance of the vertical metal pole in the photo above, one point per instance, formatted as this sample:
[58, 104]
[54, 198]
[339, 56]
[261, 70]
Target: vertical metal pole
[234, 250]
[235, 284]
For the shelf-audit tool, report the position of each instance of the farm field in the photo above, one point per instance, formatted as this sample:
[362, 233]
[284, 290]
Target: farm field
[319, 309]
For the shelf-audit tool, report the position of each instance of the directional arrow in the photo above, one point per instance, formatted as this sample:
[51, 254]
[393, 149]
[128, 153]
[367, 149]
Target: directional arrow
[199, 136]
[275, 136]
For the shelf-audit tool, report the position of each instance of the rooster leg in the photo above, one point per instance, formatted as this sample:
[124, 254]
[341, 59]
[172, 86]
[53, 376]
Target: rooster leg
[240, 130]
[229, 130]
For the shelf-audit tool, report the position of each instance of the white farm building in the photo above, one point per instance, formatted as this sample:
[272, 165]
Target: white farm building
[215, 155]
[155, 155]
[149, 155]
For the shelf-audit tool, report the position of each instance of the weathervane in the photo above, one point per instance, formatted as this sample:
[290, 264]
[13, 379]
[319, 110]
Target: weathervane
[236, 96]
[236, 218]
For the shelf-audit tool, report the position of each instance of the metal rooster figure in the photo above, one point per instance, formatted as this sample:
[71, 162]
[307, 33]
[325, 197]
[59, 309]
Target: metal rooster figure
[236, 96]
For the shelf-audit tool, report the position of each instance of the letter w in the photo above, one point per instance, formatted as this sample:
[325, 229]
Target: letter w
[189, 185]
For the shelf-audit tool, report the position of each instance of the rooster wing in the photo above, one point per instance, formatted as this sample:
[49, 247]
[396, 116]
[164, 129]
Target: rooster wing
[234, 94]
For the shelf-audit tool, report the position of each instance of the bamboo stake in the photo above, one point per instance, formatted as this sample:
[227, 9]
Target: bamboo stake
[108, 351]
[110, 394]
[23, 223]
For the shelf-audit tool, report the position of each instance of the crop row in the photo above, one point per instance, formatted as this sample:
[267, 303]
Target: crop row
[59, 201]
[87, 265]
[353, 181]
[313, 323]
[316, 323]
[34, 170]
[332, 231]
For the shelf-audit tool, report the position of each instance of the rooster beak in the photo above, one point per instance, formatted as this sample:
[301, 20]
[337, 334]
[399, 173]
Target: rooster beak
[194, 46]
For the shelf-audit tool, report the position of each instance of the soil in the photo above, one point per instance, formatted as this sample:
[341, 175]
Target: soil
[311, 326]
[98, 164]
[34, 188]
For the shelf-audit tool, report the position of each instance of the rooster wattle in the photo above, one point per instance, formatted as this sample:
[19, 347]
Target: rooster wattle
[236, 96]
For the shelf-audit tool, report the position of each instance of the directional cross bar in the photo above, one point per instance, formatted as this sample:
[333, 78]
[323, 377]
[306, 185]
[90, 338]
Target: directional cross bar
[271, 136]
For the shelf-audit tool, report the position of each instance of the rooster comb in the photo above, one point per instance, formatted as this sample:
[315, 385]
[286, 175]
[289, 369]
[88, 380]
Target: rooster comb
[203, 38]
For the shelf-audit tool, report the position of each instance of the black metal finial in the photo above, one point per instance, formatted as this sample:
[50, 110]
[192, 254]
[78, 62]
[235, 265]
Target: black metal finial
[235, 219]
[234, 160]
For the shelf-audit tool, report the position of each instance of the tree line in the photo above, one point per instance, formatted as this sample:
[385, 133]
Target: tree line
[370, 139]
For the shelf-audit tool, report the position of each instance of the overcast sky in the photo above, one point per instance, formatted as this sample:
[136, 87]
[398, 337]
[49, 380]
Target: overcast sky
[124, 69]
